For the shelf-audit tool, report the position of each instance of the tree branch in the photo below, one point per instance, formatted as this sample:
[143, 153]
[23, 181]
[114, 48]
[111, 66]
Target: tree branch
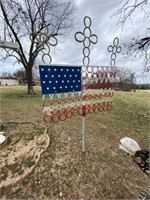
[14, 33]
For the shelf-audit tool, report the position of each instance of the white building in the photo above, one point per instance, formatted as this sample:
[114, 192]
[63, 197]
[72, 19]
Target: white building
[8, 81]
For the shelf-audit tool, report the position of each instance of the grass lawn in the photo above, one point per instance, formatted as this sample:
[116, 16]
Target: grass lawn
[104, 172]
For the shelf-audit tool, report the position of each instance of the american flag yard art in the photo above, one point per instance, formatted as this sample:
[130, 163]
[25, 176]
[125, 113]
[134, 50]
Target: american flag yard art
[77, 90]
[63, 85]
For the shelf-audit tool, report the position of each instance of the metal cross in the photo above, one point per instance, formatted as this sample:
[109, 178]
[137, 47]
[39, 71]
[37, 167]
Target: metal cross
[87, 38]
[115, 48]
[45, 40]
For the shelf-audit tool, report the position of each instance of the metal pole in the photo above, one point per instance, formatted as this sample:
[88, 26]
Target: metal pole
[83, 114]
[91, 38]
[83, 134]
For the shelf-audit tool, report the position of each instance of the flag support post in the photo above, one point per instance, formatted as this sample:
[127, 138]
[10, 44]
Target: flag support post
[83, 134]
[83, 116]
[86, 37]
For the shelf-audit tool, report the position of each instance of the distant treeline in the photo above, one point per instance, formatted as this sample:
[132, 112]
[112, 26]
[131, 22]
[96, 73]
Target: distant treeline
[129, 86]
[144, 86]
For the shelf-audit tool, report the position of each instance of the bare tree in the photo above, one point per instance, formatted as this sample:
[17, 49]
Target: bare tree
[123, 73]
[6, 74]
[20, 74]
[140, 43]
[126, 79]
[26, 21]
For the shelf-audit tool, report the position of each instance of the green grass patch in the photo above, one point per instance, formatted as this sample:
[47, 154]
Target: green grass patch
[14, 168]
[104, 172]
[28, 162]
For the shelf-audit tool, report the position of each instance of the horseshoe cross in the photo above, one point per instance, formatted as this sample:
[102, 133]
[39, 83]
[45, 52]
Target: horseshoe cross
[86, 37]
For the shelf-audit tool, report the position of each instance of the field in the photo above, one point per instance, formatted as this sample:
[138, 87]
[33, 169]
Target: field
[63, 171]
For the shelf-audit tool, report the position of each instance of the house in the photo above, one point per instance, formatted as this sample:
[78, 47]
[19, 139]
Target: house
[8, 81]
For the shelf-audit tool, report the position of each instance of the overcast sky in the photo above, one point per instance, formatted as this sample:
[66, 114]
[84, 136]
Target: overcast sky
[104, 25]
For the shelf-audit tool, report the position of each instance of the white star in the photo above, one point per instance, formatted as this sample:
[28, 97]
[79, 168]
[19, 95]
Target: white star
[47, 88]
[56, 81]
[42, 69]
[50, 81]
[43, 81]
[61, 69]
[64, 75]
[60, 87]
[52, 76]
[59, 75]
[46, 76]
[49, 70]
[67, 81]
[55, 70]
[73, 81]
[62, 81]
[65, 86]
[54, 88]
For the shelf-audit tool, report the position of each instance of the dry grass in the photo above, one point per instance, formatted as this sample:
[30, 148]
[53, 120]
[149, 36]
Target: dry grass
[104, 172]
[21, 152]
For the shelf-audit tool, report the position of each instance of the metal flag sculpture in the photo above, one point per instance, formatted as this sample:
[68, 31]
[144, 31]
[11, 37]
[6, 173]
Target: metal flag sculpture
[77, 90]
[64, 87]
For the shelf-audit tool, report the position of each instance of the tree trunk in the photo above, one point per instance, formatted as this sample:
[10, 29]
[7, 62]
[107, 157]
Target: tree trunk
[29, 81]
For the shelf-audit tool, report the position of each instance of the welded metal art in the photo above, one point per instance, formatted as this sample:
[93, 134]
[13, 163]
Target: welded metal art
[114, 49]
[66, 96]
[44, 40]
[97, 81]
[86, 37]
[97, 84]
[60, 105]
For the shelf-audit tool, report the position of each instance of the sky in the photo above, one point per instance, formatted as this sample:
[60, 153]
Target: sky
[104, 25]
